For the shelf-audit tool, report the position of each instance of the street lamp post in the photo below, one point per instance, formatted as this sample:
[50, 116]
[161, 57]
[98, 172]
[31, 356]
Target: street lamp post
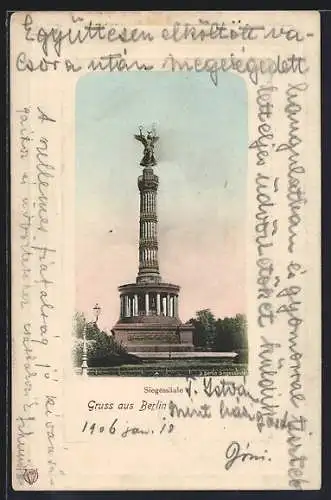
[96, 311]
[84, 356]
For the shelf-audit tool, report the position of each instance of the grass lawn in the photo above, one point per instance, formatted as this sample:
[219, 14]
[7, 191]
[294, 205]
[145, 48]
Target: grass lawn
[173, 368]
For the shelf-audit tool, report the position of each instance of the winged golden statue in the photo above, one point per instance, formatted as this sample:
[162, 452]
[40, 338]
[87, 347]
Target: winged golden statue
[148, 142]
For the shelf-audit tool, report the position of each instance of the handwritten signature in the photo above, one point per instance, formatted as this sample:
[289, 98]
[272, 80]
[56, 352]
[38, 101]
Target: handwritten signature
[234, 453]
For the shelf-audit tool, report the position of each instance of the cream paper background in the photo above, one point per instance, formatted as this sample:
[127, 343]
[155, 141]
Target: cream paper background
[47, 436]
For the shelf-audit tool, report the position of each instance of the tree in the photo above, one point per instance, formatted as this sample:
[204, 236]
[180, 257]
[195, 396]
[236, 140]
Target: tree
[199, 333]
[222, 335]
[223, 341]
[231, 336]
[204, 329]
[102, 349]
[79, 323]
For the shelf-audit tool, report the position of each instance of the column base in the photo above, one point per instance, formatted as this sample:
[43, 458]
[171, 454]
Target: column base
[148, 278]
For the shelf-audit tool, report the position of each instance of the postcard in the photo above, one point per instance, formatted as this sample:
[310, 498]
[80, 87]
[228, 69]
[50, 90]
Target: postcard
[165, 197]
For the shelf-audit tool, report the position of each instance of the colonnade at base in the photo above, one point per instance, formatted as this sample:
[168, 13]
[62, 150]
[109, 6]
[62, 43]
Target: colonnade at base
[149, 303]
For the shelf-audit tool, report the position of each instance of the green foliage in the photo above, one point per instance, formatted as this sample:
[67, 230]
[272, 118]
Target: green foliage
[199, 333]
[221, 335]
[206, 317]
[102, 349]
[204, 329]
[79, 323]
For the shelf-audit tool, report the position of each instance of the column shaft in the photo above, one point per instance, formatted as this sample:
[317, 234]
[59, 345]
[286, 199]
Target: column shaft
[130, 306]
[171, 305]
[176, 306]
[147, 304]
[168, 305]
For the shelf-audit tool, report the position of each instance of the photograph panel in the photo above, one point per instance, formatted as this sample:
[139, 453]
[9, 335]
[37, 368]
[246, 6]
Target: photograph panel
[161, 172]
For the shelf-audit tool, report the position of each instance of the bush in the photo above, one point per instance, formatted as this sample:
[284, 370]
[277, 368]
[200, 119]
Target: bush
[102, 349]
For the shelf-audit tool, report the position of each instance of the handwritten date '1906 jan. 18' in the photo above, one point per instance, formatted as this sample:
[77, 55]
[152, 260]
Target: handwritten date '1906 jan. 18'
[126, 430]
